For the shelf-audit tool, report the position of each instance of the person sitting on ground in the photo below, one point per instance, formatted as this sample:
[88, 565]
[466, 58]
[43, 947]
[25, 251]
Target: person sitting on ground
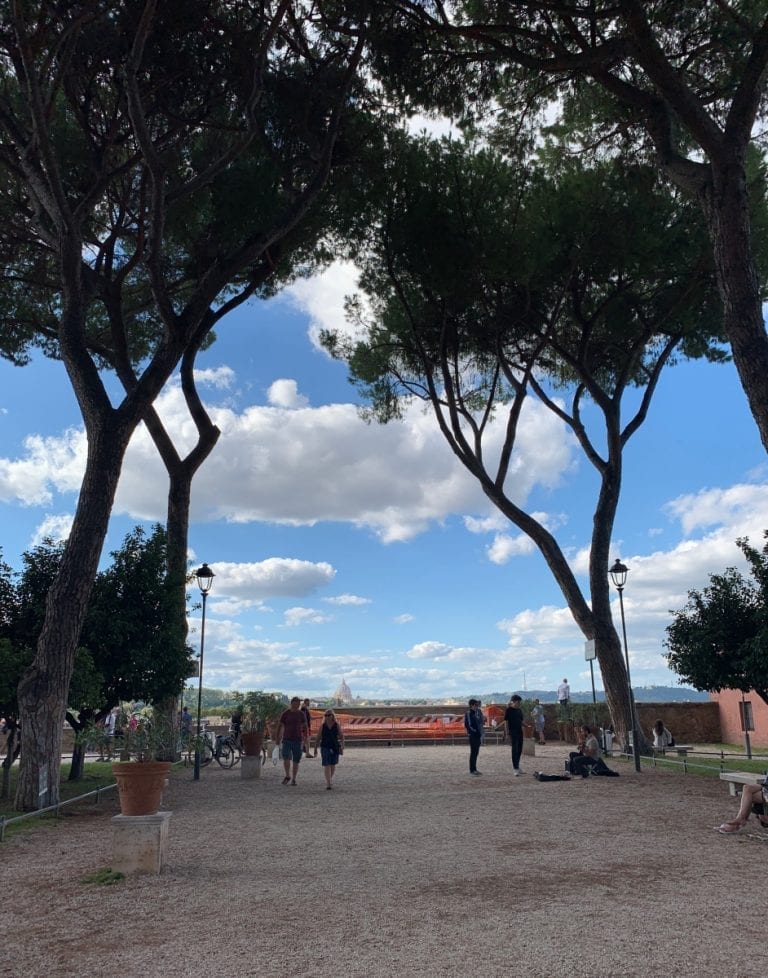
[582, 761]
[753, 799]
[662, 738]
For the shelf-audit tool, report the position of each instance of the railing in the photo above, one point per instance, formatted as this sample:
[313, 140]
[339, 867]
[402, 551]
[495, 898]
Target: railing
[664, 760]
[53, 808]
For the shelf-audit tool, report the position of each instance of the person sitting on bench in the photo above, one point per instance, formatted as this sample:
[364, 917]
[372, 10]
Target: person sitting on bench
[582, 761]
[662, 738]
[753, 799]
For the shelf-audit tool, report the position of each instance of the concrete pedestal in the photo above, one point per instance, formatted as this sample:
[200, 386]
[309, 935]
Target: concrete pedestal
[140, 842]
[250, 767]
[529, 747]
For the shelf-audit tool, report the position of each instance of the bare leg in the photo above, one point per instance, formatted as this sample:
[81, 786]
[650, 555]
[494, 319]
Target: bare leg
[295, 771]
[750, 794]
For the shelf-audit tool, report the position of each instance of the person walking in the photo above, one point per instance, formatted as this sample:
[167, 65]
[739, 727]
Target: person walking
[330, 739]
[308, 718]
[513, 717]
[537, 714]
[292, 735]
[474, 723]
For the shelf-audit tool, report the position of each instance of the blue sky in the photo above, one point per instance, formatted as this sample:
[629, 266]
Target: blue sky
[355, 551]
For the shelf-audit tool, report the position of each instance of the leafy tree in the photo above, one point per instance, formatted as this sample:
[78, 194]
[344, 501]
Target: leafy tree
[719, 640]
[156, 160]
[684, 83]
[129, 648]
[490, 283]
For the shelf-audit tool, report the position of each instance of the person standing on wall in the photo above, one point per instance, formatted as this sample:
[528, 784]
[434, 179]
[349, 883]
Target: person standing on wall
[513, 717]
[292, 734]
[564, 698]
[474, 723]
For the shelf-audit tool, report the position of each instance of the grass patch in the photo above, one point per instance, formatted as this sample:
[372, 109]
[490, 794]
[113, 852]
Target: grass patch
[104, 877]
[96, 774]
[705, 761]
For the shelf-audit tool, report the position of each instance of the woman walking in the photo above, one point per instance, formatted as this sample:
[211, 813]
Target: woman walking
[331, 740]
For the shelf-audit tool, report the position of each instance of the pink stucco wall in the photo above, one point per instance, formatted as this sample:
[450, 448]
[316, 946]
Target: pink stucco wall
[728, 701]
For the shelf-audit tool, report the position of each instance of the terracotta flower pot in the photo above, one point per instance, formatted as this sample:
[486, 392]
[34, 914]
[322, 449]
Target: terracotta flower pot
[252, 743]
[140, 785]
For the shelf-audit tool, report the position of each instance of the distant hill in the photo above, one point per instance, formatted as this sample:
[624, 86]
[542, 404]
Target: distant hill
[643, 694]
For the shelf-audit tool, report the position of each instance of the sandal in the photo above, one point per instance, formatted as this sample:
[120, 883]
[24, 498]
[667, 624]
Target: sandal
[286, 780]
[729, 828]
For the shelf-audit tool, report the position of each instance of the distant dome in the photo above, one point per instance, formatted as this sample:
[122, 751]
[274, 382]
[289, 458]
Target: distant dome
[343, 694]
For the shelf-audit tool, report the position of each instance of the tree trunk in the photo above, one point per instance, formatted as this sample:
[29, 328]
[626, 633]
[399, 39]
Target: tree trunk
[44, 686]
[725, 201]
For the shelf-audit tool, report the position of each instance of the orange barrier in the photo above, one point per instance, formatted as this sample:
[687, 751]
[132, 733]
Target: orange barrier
[429, 726]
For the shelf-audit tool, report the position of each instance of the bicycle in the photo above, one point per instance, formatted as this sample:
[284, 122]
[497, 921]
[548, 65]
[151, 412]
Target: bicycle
[223, 749]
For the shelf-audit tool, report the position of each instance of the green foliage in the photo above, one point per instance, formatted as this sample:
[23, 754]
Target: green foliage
[131, 647]
[130, 630]
[104, 877]
[258, 708]
[478, 268]
[719, 640]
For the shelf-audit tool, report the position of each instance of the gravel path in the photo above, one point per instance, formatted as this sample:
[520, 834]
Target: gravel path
[409, 867]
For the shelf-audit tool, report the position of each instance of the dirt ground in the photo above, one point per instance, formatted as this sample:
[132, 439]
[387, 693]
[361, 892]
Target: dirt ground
[409, 867]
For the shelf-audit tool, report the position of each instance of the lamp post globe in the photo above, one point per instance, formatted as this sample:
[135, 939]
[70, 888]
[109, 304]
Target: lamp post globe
[204, 576]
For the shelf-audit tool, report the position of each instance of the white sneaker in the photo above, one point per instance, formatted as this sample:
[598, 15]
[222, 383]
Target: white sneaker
[518, 772]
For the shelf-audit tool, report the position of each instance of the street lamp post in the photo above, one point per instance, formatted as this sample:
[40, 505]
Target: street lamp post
[205, 578]
[619, 577]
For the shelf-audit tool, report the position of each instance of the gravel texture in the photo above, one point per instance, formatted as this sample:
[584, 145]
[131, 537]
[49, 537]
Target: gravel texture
[409, 867]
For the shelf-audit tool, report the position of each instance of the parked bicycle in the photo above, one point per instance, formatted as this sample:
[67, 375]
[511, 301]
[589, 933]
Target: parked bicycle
[222, 748]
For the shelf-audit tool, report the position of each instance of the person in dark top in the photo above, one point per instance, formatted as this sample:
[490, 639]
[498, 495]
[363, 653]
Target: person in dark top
[474, 722]
[330, 739]
[308, 718]
[513, 717]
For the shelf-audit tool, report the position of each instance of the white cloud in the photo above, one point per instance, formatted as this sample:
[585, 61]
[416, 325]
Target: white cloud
[403, 619]
[271, 578]
[55, 527]
[303, 465]
[221, 378]
[348, 599]
[284, 394]
[49, 465]
[293, 617]
[322, 298]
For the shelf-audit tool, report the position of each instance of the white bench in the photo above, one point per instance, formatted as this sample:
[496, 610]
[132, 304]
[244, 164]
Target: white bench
[735, 778]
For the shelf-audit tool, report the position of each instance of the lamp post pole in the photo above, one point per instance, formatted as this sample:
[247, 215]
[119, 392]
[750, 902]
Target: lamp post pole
[619, 577]
[205, 578]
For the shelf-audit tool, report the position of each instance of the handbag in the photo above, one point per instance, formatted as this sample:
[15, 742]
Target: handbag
[275, 755]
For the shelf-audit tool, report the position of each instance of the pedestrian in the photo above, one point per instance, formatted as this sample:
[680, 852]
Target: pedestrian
[308, 718]
[108, 740]
[331, 742]
[186, 725]
[513, 717]
[474, 722]
[537, 714]
[292, 735]
[564, 698]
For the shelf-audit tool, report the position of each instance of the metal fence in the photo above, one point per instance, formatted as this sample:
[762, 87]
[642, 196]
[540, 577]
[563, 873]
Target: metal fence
[54, 808]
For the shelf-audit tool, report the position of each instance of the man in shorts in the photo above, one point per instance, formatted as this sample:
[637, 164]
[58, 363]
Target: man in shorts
[292, 735]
